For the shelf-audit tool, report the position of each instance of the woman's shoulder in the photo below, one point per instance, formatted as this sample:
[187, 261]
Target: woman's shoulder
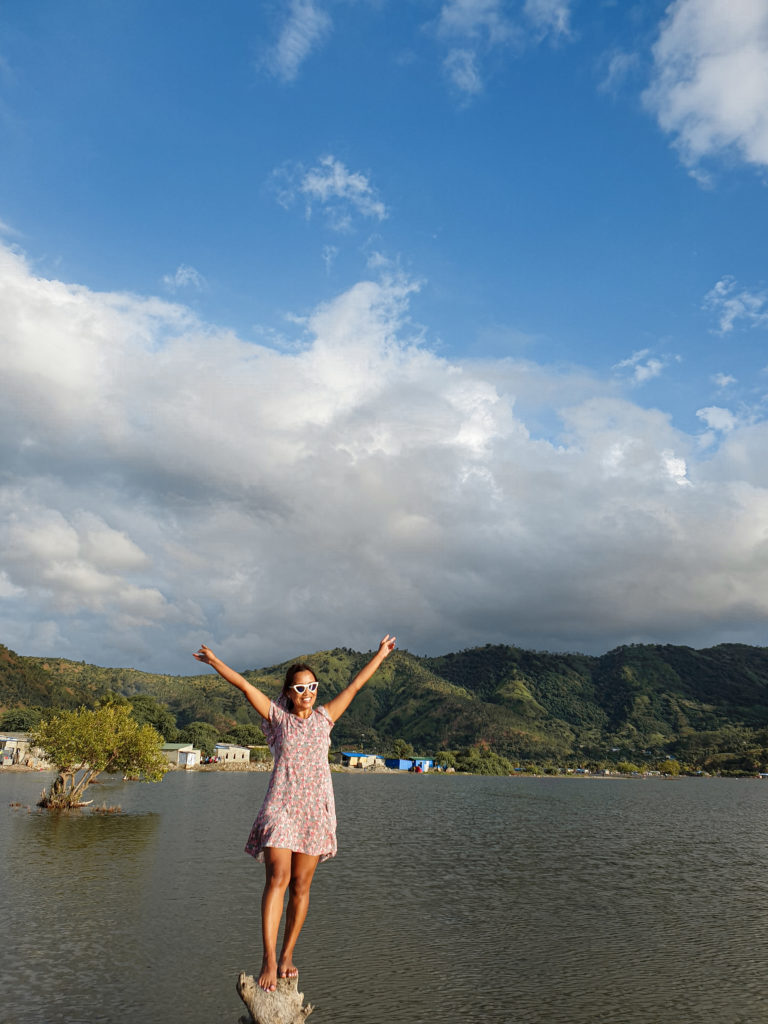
[277, 713]
[324, 714]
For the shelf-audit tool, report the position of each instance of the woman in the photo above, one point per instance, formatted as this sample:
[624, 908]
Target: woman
[296, 826]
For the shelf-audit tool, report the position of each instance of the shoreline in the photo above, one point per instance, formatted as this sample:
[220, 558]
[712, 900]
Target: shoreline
[266, 766]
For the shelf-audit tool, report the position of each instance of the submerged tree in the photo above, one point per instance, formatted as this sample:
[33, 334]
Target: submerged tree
[81, 744]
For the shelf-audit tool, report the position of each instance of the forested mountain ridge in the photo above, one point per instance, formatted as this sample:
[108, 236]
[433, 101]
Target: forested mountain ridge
[637, 689]
[527, 705]
[25, 682]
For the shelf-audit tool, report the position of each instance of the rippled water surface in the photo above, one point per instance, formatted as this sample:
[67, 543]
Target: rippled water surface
[452, 899]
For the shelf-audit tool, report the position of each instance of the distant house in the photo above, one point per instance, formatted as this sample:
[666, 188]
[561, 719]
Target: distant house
[14, 748]
[231, 752]
[354, 759]
[405, 764]
[182, 754]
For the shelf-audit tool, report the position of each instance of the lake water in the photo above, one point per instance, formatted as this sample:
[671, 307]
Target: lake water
[465, 900]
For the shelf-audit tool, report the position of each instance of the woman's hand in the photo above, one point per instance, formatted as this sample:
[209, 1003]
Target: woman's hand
[387, 645]
[205, 654]
[341, 701]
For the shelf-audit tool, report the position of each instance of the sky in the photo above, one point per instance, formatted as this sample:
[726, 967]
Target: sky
[322, 319]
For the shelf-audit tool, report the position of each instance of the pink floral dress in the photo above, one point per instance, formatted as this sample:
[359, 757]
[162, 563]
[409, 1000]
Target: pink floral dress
[298, 812]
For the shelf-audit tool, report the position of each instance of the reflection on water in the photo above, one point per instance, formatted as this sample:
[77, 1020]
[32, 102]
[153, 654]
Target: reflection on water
[70, 899]
[473, 900]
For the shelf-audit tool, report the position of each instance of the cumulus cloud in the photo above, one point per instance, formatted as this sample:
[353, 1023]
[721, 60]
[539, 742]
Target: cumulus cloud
[305, 29]
[736, 306]
[166, 482]
[717, 418]
[340, 193]
[723, 380]
[709, 89]
[77, 561]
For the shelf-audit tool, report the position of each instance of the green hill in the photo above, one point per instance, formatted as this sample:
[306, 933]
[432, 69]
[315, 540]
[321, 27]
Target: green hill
[634, 702]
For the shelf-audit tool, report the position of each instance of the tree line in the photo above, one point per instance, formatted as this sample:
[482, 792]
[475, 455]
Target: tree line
[638, 705]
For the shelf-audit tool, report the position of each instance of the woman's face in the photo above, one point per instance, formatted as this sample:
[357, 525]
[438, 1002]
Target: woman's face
[302, 701]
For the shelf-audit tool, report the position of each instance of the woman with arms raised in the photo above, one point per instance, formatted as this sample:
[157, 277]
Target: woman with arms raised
[296, 826]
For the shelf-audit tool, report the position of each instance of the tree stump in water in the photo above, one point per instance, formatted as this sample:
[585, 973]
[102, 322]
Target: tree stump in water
[283, 1006]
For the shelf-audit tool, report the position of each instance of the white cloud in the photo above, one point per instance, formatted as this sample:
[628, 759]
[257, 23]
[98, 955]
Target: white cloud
[329, 254]
[474, 29]
[330, 180]
[717, 418]
[619, 66]
[710, 83]
[676, 467]
[475, 19]
[488, 21]
[341, 194]
[75, 561]
[461, 67]
[166, 483]
[644, 367]
[7, 230]
[734, 305]
[723, 380]
[184, 277]
[648, 370]
[306, 28]
[549, 16]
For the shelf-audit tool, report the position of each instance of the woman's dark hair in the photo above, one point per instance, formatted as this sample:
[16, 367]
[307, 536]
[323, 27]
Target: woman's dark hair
[291, 674]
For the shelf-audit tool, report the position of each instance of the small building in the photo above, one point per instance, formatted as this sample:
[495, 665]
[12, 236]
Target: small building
[408, 764]
[354, 759]
[182, 754]
[14, 748]
[231, 752]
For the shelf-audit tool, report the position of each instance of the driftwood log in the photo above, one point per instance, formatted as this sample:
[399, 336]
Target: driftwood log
[283, 1006]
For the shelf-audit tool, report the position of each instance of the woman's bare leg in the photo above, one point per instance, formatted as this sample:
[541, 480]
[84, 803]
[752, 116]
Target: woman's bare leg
[302, 871]
[278, 865]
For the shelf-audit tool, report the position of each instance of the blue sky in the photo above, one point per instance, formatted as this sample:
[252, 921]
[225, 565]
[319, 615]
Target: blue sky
[326, 319]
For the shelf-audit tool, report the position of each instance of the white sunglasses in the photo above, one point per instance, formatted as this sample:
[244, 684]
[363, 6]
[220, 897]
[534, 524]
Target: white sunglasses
[301, 687]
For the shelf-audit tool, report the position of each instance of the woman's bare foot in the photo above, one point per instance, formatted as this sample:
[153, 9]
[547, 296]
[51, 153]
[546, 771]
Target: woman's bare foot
[287, 968]
[268, 977]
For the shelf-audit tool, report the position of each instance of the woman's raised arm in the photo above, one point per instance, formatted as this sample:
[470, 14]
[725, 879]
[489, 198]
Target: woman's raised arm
[258, 699]
[339, 704]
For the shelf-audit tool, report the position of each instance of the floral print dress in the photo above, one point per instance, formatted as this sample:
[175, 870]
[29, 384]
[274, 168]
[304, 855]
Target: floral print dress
[298, 812]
